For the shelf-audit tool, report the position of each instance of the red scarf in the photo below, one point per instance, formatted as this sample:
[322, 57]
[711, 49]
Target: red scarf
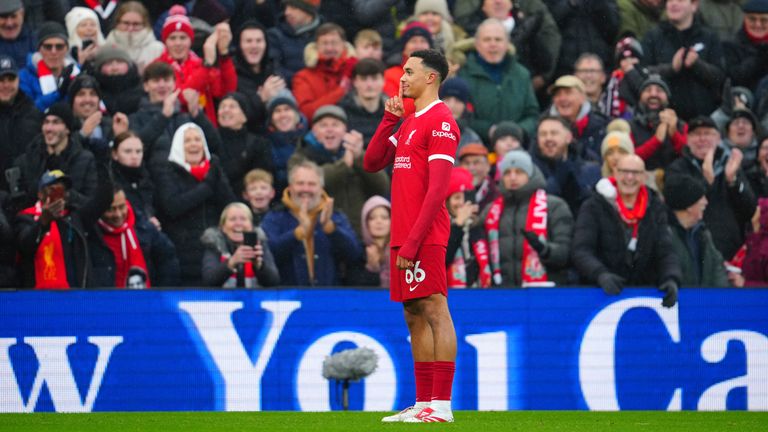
[533, 272]
[342, 66]
[103, 12]
[633, 216]
[248, 273]
[754, 39]
[200, 171]
[492, 229]
[582, 124]
[124, 244]
[183, 70]
[50, 268]
[614, 103]
[48, 82]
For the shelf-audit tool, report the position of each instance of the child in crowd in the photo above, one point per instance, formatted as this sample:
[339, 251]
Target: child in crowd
[258, 192]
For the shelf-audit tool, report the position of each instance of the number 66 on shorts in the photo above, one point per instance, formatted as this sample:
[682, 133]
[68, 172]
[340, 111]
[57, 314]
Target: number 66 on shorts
[427, 276]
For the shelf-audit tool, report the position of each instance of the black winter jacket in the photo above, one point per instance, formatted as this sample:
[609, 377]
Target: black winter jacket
[156, 130]
[730, 207]
[187, 207]
[747, 62]
[585, 26]
[76, 162]
[600, 244]
[695, 91]
[19, 125]
[138, 187]
[242, 151]
[121, 93]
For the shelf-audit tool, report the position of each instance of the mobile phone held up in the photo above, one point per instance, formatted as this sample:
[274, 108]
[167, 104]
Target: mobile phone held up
[56, 192]
[250, 239]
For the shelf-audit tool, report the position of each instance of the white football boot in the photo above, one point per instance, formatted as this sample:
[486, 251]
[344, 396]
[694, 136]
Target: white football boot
[406, 414]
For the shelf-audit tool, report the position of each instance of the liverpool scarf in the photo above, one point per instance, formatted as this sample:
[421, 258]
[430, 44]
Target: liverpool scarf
[533, 271]
[50, 269]
[124, 244]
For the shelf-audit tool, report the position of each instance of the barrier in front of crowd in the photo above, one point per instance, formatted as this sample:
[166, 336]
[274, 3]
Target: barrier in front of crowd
[564, 349]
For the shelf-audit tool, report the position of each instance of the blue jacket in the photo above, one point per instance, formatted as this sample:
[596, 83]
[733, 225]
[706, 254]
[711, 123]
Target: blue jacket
[21, 47]
[29, 83]
[286, 47]
[330, 249]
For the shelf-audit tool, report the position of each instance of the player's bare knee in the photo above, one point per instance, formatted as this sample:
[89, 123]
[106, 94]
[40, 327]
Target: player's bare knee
[434, 308]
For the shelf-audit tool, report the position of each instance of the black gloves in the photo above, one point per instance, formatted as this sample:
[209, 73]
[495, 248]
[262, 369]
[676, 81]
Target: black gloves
[65, 79]
[610, 283]
[670, 287]
[541, 247]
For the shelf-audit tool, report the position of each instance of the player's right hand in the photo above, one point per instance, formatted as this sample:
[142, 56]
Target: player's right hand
[394, 104]
[403, 263]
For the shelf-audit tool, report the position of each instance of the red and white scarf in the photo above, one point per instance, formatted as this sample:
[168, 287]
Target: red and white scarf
[104, 12]
[124, 244]
[614, 104]
[249, 275]
[50, 268]
[48, 82]
[633, 216]
[533, 271]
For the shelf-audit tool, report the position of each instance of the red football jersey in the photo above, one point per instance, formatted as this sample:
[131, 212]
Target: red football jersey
[424, 136]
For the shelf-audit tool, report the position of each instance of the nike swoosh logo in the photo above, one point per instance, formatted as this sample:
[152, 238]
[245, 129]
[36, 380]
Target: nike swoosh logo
[413, 288]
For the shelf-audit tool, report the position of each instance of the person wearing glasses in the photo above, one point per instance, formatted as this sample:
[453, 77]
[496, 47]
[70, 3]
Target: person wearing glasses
[49, 71]
[133, 34]
[622, 237]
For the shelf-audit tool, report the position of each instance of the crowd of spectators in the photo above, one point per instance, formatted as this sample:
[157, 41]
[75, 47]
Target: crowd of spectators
[220, 142]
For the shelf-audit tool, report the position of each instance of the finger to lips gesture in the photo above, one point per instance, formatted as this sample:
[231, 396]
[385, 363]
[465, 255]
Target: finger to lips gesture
[395, 103]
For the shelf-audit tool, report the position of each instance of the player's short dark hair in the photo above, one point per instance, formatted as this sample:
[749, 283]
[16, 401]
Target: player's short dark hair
[368, 67]
[434, 60]
[158, 70]
[560, 119]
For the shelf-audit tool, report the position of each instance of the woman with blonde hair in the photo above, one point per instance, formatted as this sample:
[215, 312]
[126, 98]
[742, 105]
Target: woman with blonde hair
[236, 254]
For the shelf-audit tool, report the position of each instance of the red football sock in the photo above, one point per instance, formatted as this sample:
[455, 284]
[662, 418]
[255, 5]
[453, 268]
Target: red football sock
[443, 380]
[424, 372]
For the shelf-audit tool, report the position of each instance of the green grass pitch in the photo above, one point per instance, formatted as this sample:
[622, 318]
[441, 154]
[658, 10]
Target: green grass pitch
[534, 421]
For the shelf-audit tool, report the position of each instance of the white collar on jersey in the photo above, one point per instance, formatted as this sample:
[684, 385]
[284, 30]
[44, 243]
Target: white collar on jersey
[428, 107]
